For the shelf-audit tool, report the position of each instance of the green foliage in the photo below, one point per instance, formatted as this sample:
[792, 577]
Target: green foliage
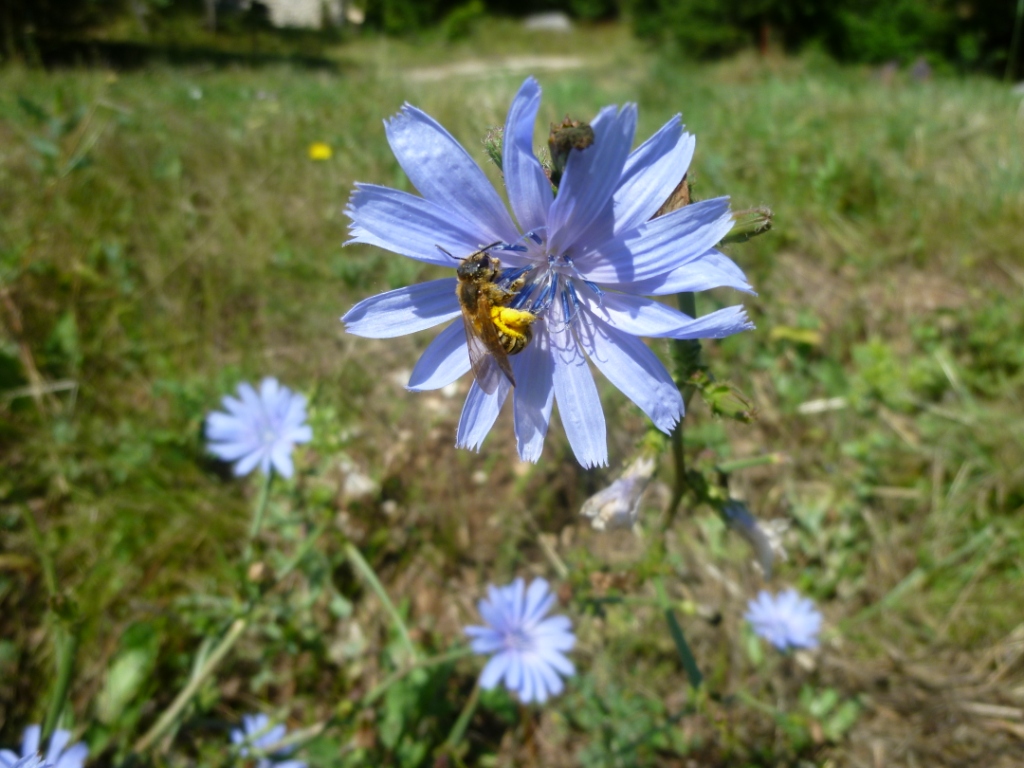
[199, 247]
[974, 35]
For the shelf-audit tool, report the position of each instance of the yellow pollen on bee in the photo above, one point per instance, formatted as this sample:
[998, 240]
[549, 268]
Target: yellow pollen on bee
[512, 322]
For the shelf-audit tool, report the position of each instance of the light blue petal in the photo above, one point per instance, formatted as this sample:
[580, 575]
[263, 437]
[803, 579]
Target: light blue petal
[444, 360]
[248, 463]
[651, 174]
[641, 316]
[221, 426]
[73, 757]
[58, 740]
[281, 458]
[518, 595]
[539, 600]
[494, 670]
[712, 270]
[579, 406]
[527, 687]
[534, 395]
[301, 434]
[590, 178]
[404, 310]
[529, 190]
[552, 682]
[558, 662]
[233, 450]
[514, 675]
[479, 414]
[7, 758]
[404, 223]
[638, 373]
[659, 246]
[30, 740]
[486, 645]
[445, 174]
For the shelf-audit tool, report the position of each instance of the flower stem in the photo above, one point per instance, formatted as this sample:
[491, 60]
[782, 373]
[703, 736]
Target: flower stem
[169, 716]
[459, 729]
[258, 514]
[366, 571]
[64, 641]
[686, 359]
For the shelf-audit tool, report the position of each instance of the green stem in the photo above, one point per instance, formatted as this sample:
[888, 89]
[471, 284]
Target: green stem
[459, 729]
[171, 714]
[399, 674]
[674, 628]
[64, 642]
[364, 569]
[258, 514]
[686, 360]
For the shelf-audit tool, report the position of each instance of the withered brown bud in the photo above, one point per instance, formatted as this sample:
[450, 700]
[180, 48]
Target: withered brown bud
[570, 135]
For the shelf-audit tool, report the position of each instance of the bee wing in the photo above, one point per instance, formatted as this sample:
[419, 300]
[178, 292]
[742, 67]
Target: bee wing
[486, 355]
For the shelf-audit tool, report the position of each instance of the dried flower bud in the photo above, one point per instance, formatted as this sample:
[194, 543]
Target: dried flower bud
[618, 505]
[570, 135]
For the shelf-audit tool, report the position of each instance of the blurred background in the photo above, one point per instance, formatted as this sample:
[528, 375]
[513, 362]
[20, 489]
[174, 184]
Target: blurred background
[173, 179]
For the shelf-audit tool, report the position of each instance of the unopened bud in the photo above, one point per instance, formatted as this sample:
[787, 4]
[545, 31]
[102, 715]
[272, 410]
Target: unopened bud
[494, 145]
[748, 224]
[738, 517]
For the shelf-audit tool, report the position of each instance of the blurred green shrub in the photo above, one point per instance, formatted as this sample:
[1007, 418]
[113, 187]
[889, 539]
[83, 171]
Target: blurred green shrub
[972, 34]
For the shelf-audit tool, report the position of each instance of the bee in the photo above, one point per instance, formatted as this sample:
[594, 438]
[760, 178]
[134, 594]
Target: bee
[494, 330]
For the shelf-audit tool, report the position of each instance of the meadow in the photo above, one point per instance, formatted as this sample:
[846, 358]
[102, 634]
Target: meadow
[165, 235]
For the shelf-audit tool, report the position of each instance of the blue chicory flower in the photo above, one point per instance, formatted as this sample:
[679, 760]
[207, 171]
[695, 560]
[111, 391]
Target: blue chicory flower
[786, 620]
[528, 650]
[590, 257]
[259, 429]
[58, 753]
[256, 733]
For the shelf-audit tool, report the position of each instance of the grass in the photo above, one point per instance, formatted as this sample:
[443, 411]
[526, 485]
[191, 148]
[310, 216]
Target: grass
[163, 235]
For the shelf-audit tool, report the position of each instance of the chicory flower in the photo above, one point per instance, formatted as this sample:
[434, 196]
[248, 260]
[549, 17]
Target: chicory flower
[589, 256]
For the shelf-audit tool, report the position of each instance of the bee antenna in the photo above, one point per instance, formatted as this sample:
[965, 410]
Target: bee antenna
[446, 253]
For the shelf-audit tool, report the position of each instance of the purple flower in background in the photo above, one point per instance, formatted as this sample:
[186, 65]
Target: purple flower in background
[257, 734]
[259, 428]
[528, 650]
[58, 754]
[785, 620]
[589, 258]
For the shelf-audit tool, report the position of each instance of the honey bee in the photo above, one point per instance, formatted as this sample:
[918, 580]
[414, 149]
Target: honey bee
[494, 330]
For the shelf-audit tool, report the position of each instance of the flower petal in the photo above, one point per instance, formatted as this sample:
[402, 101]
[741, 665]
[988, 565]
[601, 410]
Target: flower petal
[445, 174]
[579, 406]
[533, 396]
[479, 414]
[590, 178]
[443, 361]
[638, 373]
[640, 316]
[650, 175]
[529, 190]
[659, 246]
[404, 310]
[407, 224]
[712, 270]
[539, 599]
[496, 668]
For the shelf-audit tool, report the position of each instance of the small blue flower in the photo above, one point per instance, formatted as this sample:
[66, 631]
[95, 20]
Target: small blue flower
[259, 429]
[257, 733]
[589, 256]
[785, 620]
[528, 650]
[58, 754]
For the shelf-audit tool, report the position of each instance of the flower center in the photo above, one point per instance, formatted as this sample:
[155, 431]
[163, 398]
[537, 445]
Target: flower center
[551, 279]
